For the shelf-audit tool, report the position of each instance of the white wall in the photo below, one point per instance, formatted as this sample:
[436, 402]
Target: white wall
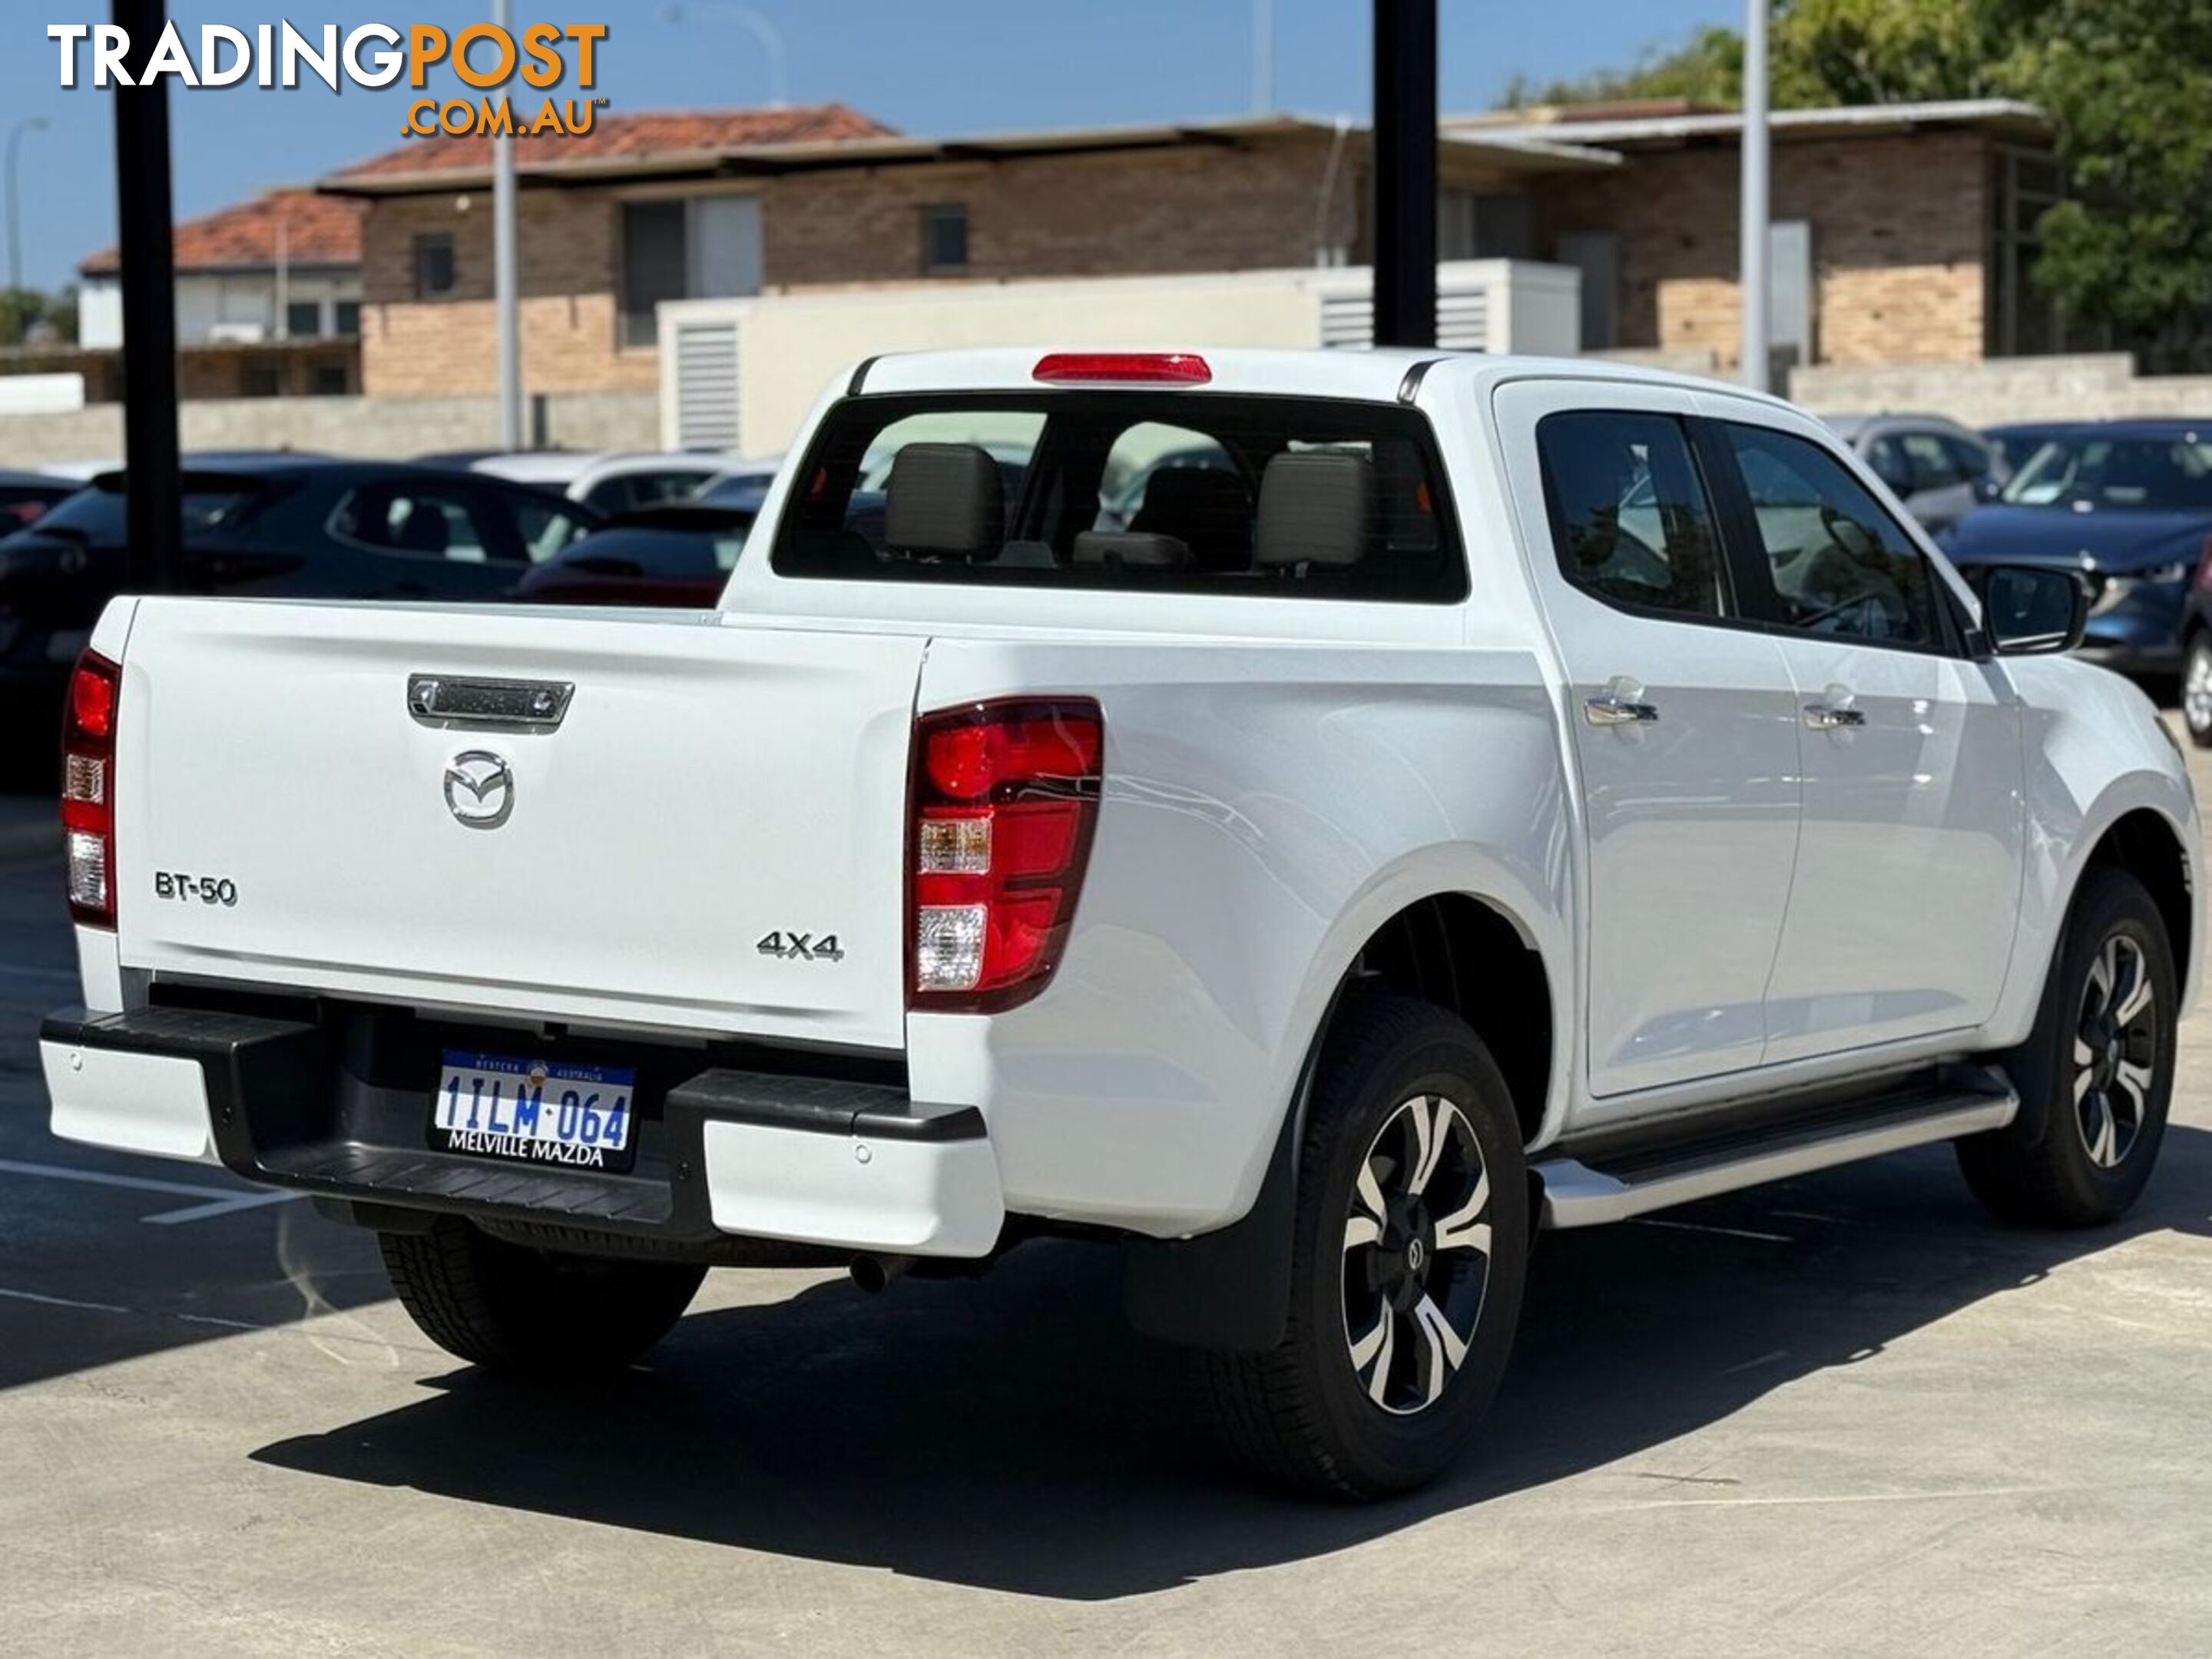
[244, 300]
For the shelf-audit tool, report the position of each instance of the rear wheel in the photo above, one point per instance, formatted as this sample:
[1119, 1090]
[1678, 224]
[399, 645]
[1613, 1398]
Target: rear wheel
[1407, 1259]
[543, 1312]
[2197, 689]
[2096, 1075]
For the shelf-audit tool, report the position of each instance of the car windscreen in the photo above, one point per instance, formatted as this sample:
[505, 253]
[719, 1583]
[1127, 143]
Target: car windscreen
[1126, 490]
[99, 515]
[2090, 470]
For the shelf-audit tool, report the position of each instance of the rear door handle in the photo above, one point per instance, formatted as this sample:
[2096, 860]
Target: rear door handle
[1828, 717]
[1611, 708]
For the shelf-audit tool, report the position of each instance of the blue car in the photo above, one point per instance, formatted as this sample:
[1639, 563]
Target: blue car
[2127, 503]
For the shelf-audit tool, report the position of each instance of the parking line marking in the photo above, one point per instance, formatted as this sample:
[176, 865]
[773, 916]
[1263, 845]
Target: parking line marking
[219, 1200]
[1707, 1227]
[61, 1302]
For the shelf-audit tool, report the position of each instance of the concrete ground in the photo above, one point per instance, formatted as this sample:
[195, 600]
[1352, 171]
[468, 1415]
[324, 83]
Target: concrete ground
[1845, 1414]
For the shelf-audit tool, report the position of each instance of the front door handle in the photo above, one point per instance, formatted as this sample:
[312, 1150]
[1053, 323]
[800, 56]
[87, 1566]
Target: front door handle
[1828, 717]
[1611, 708]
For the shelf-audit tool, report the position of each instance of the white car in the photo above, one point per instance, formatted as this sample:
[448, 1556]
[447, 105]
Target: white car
[1475, 803]
[608, 483]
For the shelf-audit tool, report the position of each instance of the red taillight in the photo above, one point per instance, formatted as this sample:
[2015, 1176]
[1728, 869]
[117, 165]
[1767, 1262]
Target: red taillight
[89, 788]
[1128, 368]
[1006, 796]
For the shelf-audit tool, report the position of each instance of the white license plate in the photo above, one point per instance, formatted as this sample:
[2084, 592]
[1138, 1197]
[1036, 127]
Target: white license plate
[534, 1111]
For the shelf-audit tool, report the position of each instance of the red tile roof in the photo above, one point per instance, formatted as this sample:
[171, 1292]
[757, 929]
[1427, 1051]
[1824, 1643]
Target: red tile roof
[641, 136]
[319, 230]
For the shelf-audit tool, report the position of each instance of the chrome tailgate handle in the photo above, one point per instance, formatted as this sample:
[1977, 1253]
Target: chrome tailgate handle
[1611, 708]
[447, 700]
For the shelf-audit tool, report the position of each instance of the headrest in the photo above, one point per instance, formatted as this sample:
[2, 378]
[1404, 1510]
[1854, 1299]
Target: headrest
[946, 499]
[1315, 509]
[1129, 549]
[1208, 507]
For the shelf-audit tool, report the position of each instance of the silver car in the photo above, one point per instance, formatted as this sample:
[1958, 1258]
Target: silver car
[1940, 469]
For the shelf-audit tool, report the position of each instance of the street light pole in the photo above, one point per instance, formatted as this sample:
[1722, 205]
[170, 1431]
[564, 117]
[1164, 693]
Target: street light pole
[506, 290]
[153, 507]
[1757, 350]
[28, 124]
[1404, 173]
[761, 27]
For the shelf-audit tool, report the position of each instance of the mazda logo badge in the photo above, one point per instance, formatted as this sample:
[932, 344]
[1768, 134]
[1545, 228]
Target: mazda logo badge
[479, 789]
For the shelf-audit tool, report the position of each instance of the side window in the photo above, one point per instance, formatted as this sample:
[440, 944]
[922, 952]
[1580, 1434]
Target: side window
[1971, 458]
[1931, 463]
[401, 518]
[1841, 564]
[545, 526]
[1629, 514]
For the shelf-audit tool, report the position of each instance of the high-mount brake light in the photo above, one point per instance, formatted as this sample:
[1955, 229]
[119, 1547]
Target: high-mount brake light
[1006, 798]
[1126, 367]
[89, 788]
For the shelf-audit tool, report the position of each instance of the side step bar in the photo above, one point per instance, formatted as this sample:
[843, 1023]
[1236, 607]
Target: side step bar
[1613, 1189]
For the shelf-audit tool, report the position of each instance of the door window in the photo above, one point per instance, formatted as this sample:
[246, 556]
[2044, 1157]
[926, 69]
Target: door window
[1629, 514]
[407, 518]
[1933, 467]
[1841, 565]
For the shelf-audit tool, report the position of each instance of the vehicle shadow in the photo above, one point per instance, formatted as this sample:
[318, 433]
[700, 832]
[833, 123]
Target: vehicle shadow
[1009, 1434]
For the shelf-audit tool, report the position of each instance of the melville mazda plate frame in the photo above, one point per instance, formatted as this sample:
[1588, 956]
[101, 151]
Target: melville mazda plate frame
[521, 1110]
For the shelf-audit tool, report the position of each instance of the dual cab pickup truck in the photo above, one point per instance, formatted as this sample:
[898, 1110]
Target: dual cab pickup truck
[1308, 820]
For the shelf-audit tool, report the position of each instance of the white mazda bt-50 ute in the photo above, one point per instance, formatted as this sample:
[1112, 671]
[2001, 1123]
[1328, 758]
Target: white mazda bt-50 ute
[1307, 820]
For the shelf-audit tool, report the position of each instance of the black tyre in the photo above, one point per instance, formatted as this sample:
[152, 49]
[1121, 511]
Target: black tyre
[541, 1312]
[2197, 688]
[2096, 1076]
[1408, 1257]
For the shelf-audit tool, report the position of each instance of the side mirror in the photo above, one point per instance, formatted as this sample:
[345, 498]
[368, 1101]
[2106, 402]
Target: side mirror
[2030, 609]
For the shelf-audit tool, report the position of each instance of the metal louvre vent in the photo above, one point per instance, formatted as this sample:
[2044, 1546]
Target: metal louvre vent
[706, 385]
[1348, 320]
[1463, 319]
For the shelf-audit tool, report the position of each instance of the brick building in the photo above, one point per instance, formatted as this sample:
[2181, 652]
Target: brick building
[1901, 233]
[1899, 230]
[660, 207]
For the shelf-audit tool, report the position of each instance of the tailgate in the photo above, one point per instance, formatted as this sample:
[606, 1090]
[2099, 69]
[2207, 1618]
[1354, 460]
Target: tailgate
[707, 786]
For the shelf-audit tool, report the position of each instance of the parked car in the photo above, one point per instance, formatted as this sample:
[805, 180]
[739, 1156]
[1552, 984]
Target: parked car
[1468, 855]
[2014, 442]
[83, 472]
[26, 496]
[607, 483]
[1940, 469]
[301, 528]
[680, 553]
[2127, 503]
[742, 484]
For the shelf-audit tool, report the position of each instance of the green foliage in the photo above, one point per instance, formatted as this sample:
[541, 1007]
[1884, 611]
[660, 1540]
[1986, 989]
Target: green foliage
[2128, 83]
[1706, 68]
[26, 314]
[1824, 52]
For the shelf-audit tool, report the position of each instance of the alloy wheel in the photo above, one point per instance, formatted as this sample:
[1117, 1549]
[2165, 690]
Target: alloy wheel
[2115, 1052]
[1416, 1254]
[2196, 690]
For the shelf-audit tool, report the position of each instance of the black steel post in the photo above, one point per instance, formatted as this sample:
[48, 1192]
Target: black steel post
[149, 310]
[1405, 173]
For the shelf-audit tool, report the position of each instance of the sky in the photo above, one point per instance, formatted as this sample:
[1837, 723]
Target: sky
[934, 68]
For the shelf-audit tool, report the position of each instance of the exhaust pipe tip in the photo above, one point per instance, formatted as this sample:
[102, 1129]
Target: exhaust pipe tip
[873, 1273]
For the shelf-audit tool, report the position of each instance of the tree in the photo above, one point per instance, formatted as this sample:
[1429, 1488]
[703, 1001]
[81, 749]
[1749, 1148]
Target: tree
[1824, 52]
[1706, 68]
[2129, 84]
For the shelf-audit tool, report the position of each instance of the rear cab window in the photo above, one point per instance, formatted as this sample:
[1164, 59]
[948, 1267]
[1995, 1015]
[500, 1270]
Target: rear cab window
[1143, 490]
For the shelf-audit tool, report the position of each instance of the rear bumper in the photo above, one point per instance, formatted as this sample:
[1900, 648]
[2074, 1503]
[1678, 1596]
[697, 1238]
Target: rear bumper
[298, 1104]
